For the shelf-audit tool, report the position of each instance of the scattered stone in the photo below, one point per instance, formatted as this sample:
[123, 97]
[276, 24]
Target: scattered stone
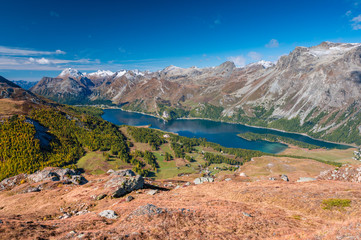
[306, 179]
[152, 192]
[82, 212]
[272, 178]
[110, 214]
[100, 196]
[242, 174]
[201, 180]
[149, 210]
[284, 178]
[129, 198]
[227, 179]
[247, 214]
[110, 171]
[1, 222]
[188, 183]
[33, 189]
[346, 173]
[178, 186]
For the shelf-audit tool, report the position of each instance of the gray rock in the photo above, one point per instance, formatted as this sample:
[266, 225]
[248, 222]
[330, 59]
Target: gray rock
[129, 198]
[152, 192]
[242, 174]
[100, 196]
[284, 178]
[9, 183]
[110, 171]
[82, 212]
[227, 179]
[33, 189]
[121, 185]
[110, 214]
[57, 174]
[272, 178]
[247, 214]
[188, 183]
[149, 210]
[201, 180]
[124, 173]
[1, 222]
[306, 179]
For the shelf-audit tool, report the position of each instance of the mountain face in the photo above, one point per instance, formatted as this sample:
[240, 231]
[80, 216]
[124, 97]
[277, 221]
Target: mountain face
[314, 90]
[15, 100]
[25, 84]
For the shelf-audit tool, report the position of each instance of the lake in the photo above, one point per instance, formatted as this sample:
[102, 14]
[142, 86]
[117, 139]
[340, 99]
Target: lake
[222, 133]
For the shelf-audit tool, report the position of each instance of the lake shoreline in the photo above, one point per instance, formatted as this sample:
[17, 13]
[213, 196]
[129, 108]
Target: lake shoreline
[222, 121]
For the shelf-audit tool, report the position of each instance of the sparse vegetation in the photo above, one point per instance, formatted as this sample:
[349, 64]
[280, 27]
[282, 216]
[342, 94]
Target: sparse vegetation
[336, 203]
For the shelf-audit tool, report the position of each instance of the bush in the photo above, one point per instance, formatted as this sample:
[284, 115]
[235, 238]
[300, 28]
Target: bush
[340, 204]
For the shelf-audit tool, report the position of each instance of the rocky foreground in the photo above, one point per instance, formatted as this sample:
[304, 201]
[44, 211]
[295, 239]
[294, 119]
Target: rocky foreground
[63, 204]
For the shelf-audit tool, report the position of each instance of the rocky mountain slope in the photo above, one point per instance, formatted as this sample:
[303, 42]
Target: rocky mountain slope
[233, 207]
[25, 84]
[313, 90]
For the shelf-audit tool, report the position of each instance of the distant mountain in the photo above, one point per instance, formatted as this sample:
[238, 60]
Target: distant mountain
[25, 84]
[313, 90]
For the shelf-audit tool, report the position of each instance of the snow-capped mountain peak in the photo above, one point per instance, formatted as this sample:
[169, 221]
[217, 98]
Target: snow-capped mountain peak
[70, 72]
[101, 73]
[263, 63]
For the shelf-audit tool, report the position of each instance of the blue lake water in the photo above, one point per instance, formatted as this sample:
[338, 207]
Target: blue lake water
[222, 133]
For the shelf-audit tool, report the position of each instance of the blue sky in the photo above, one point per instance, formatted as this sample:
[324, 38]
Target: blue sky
[40, 38]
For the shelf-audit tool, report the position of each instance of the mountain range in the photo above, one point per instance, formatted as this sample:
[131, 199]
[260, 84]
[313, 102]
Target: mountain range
[314, 90]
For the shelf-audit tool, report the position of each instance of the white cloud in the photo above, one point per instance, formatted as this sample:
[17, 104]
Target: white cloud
[356, 22]
[10, 51]
[40, 61]
[239, 61]
[348, 13]
[273, 43]
[255, 56]
[60, 52]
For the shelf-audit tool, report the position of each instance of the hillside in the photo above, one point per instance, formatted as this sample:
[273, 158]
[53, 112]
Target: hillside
[236, 208]
[178, 188]
[313, 90]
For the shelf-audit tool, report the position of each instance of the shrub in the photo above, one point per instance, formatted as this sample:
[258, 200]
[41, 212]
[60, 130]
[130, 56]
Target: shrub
[331, 203]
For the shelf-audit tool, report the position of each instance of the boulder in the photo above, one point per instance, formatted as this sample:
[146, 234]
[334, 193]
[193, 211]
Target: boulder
[201, 180]
[306, 179]
[242, 174]
[152, 192]
[123, 173]
[129, 198]
[284, 178]
[110, 214]
[65, 175]
[149, 210]
[120, 185]
[100, 196]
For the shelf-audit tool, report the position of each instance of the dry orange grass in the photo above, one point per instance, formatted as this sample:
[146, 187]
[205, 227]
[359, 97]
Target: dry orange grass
[280, 210]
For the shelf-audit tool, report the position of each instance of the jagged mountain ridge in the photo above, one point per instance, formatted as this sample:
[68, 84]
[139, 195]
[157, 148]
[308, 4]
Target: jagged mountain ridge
[318, 83]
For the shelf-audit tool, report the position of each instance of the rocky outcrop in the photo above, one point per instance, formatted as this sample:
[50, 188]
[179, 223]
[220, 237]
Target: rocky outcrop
[123, 182]
[64, 175]
[345, 173]
[201, 180]
[149, 210]
[110, 214]
[9, 183]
